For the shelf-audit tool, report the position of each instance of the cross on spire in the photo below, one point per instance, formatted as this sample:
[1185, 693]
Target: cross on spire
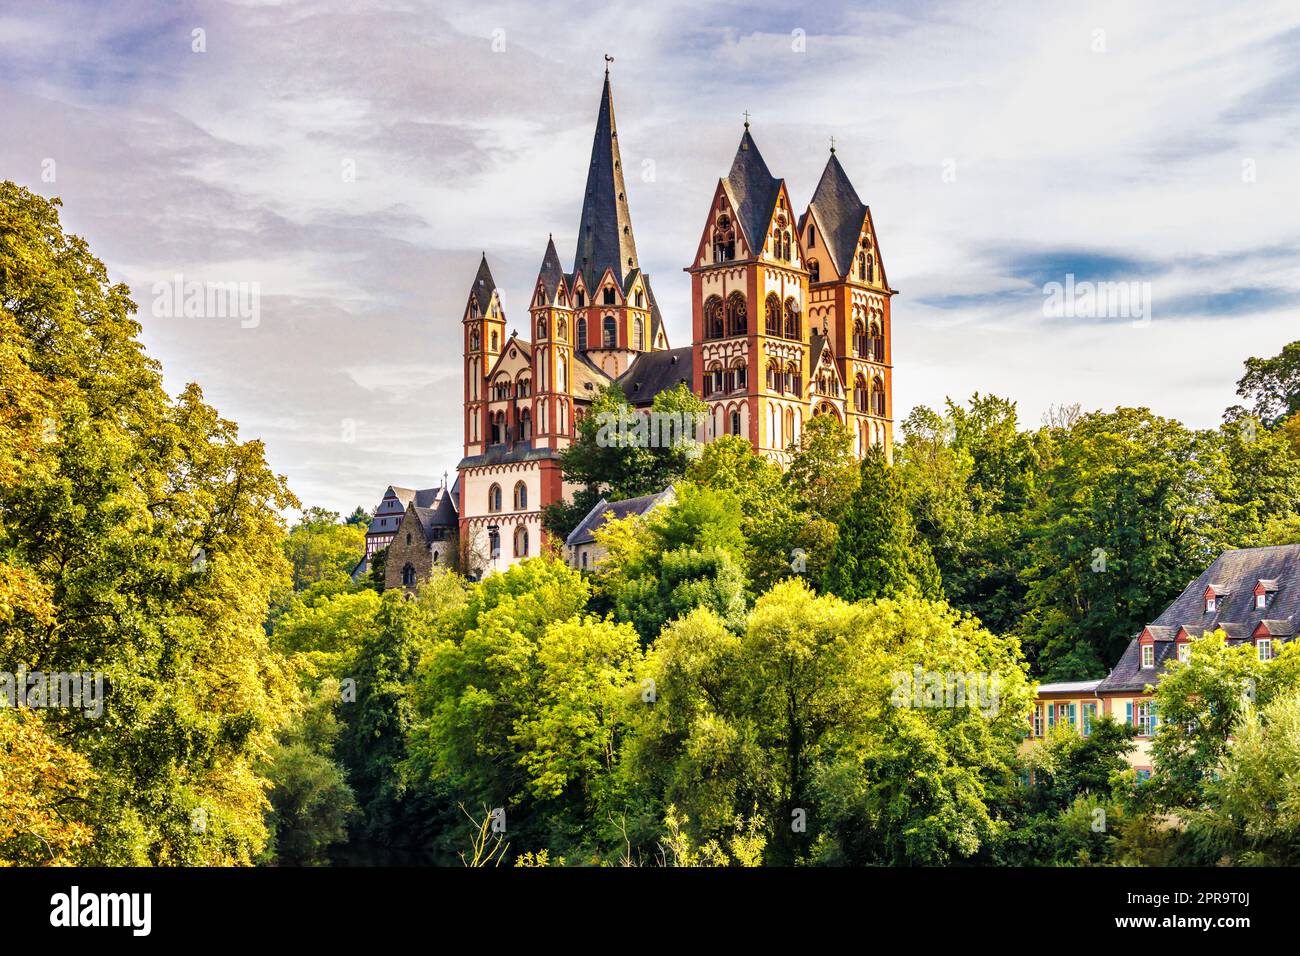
[832, 144]
[746, 119]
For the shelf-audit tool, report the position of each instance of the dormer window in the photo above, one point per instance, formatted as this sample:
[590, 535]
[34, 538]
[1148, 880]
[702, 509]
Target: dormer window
[1185, 652]
[1148, 655]
[1211, 605]
[1261, 601]
[1265, 648]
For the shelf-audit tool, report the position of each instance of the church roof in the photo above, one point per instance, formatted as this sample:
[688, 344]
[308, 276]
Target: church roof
[605, 239]
[652, 372]
[484, 285]
[753, 190]
[588, 378]
[552, 273]
[518, 452]
[839, 213]
[613, 511]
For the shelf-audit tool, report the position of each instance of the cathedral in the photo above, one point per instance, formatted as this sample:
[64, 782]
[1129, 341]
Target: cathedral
[789, 319]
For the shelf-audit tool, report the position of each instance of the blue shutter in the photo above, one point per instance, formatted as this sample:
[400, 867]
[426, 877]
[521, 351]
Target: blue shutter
[1128, 713]
[1073, 714]
[1155, 718]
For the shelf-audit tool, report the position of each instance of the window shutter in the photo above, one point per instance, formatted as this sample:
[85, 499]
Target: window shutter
[1128, 713]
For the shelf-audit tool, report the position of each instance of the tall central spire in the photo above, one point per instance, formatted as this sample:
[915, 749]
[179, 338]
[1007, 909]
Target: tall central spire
[605, 234]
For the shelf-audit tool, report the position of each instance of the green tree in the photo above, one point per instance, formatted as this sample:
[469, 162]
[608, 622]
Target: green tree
[1272, 385]
[778, 538]
[1200, 701]
[971, 478]
[155, 536]
[1252, 816]
[679, 556]
[617, 455]
[311, 802]
[321, 548]
[878, 552]
[795, 721]
[1133, 511]
[373, 742]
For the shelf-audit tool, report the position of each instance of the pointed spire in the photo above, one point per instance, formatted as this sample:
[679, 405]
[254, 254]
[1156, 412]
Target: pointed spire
[605, 233]
[754, 189]
[840, 213]
[552, 273]
[484, 285]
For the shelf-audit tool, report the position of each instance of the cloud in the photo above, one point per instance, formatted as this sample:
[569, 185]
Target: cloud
[354, 157]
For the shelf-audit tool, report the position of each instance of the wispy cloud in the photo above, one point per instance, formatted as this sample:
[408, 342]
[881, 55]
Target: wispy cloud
[354, 156]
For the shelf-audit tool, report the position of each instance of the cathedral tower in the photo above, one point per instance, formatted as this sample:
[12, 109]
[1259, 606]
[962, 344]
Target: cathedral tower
[615, 315]
[552, 355]
[749, 293]
[484, 323]
[849, 296]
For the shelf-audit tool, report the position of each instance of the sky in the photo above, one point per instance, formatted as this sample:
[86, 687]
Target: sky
[353, 158]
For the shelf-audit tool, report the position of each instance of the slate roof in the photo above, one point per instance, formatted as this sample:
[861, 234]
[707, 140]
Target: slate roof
[552, 273]
[1069, 687]
[441, 515]
[753, 191]
[613, 511]
[652, 372]
[484, 285]
[423, 497]
[839, 213]
[508, 454]
[588, 378]
[605, 237]
[1235, 574]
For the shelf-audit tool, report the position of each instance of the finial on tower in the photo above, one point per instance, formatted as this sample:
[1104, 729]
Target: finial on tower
[746, 119]
[608, 60]
[832, 145]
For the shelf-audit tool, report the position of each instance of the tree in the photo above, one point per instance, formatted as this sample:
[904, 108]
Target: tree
[823, 473]
[1201, 701]
[148, 538]
[795, 721]
[359, 518]
[678, 557]
[1272, 385]
[40, 781]
[522, 703]
[971, 478]
[778, 539]
[878, 552]
[321, 548]
[616, 455]
[311, 802]
[1252, 816]
[1264, 474]
[374, 737]
[1132, 512]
